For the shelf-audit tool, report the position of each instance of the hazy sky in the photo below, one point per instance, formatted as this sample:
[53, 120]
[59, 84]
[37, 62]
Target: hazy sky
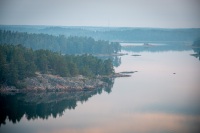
[120, 13]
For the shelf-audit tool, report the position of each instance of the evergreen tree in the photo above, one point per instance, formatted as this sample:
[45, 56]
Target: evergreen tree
[3, 68]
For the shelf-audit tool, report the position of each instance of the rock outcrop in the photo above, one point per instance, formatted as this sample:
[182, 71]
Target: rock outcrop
[50, 82]
[54, 83]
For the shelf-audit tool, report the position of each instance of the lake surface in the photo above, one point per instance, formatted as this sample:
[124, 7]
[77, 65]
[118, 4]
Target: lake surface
[162, 97]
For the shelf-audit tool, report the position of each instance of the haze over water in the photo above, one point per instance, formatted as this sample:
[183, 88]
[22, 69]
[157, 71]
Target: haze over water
[161, 97]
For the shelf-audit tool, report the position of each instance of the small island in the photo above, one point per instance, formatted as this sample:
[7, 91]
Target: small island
[147, 45]
[136, 55]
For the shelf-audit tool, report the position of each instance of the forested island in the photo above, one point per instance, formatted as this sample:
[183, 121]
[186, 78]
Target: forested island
[25, 68]
[62, 44]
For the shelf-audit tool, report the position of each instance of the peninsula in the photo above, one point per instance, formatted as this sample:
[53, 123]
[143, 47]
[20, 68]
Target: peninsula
[22, 69]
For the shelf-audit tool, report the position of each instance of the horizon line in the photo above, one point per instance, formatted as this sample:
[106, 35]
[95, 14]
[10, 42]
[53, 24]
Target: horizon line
[48, 25]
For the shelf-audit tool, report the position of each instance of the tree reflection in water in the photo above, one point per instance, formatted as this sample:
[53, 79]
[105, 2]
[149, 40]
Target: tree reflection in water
[43, 104]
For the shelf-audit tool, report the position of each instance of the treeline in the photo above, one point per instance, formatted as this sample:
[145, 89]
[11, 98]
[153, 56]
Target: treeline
[113, 33]
[124, 34]
[18, 62]
[62, 44]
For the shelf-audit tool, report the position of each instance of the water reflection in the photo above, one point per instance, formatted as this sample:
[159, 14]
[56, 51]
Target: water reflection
[43, 105]
[141, 123]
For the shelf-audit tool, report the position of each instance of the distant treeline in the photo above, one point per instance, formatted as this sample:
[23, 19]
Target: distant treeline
[18, 62]
[113, 33]
[62, 44]
[151, 34]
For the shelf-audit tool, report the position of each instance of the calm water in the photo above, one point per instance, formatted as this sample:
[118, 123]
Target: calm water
[152, 100]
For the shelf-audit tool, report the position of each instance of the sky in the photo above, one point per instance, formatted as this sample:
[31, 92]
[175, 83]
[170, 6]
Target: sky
[107, 13]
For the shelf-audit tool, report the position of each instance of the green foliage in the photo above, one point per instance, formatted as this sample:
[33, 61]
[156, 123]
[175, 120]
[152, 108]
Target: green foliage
[70, 45]
[89, 65]
[18, 62]
[14, 66]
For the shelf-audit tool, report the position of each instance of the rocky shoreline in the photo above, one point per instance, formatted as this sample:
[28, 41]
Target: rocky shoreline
[54, 83]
